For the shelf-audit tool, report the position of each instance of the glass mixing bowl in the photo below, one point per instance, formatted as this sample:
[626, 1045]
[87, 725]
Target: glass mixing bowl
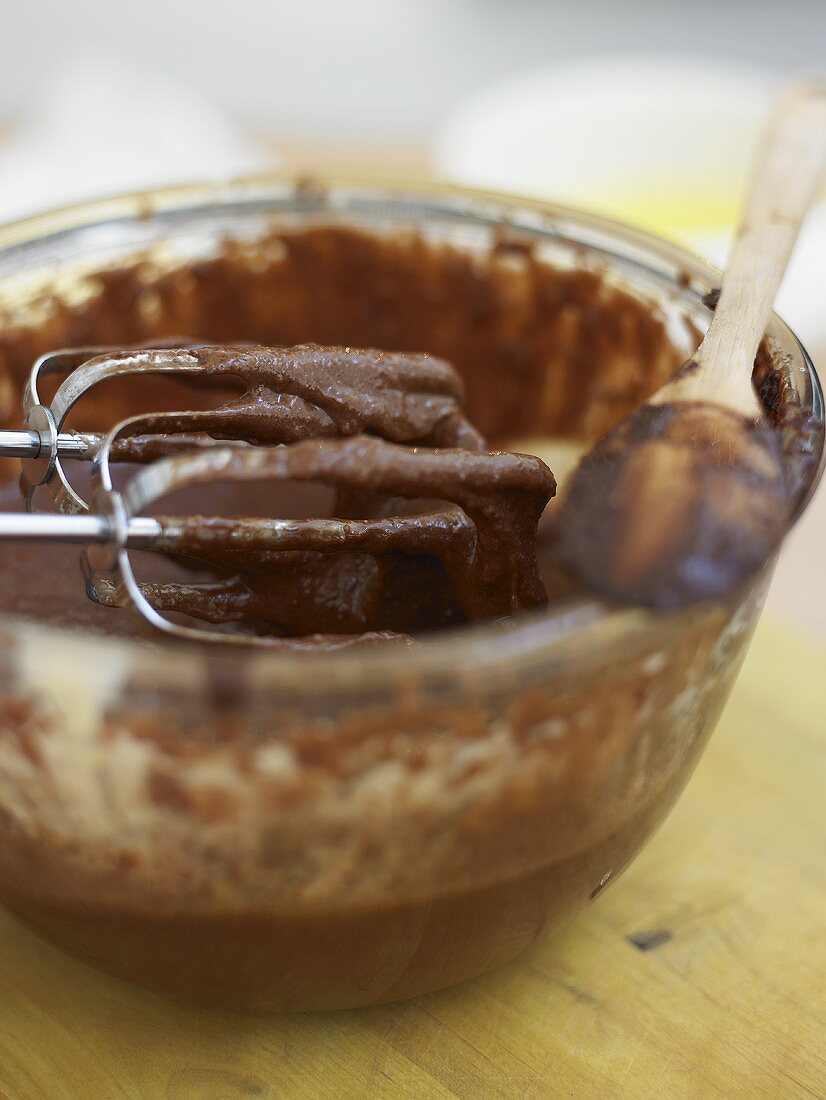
[317, 831]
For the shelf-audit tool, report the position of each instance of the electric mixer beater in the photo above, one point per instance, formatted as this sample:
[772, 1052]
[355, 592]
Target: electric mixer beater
[385, 430]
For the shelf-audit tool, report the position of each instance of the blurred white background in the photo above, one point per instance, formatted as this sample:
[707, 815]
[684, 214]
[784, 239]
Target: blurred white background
[98, 96]
[366, 69]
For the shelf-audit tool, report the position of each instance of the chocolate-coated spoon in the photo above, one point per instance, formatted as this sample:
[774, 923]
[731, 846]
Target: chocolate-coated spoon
[689, 495]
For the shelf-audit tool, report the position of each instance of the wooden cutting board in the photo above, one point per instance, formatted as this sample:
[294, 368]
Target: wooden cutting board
[700, 974]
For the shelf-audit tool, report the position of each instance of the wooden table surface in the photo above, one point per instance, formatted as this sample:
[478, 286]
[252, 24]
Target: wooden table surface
[724, 997]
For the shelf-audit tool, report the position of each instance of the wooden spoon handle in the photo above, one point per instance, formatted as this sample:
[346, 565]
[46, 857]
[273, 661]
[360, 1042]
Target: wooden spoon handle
[783, 186]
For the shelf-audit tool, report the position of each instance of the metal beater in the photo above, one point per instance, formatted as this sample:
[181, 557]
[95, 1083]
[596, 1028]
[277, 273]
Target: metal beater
[177, 454]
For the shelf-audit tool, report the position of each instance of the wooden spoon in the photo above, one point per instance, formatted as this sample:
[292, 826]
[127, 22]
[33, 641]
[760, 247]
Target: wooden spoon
[690, 494]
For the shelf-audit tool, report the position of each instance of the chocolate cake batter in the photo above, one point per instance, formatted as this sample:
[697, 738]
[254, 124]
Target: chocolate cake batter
[541, 351]
[537, 351]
